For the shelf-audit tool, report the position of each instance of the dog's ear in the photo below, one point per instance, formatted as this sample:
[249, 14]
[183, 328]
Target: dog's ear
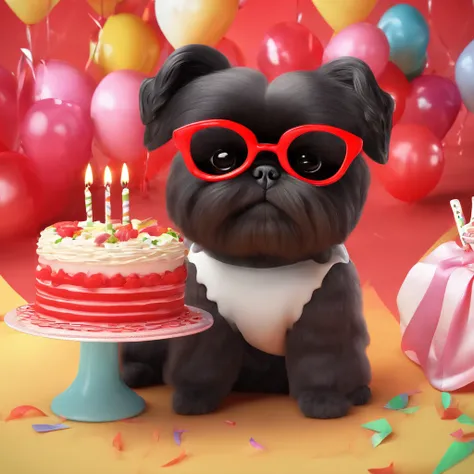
[377, 105]
[182, 67]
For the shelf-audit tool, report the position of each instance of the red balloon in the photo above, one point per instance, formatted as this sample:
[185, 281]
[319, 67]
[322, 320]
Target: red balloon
[393, 81]
[20, 196]
[434, 102]
[415, 164]
[289, 46]
[56, 136]
[231, 51]
[8, 108]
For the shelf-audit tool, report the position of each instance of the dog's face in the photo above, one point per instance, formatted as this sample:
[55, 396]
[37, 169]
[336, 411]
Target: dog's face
[265, 212]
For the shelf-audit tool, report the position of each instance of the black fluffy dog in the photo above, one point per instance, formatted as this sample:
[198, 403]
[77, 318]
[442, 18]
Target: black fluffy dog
[267, 259]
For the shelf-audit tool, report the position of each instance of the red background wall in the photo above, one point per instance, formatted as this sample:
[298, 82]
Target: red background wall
[392, 236]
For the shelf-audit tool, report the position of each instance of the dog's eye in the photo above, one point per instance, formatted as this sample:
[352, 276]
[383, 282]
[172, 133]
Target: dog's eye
[223, 161]
[307, 164]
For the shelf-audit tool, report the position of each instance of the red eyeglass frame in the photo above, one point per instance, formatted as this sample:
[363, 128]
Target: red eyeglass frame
[182, 138]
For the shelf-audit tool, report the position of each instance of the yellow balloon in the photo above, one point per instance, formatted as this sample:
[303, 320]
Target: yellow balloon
[104, 8]
[195, 21]
[31, 12]
[341, 13]
[127, 42]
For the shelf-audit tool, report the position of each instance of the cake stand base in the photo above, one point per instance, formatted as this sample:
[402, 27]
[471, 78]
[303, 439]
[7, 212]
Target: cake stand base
[98, 393]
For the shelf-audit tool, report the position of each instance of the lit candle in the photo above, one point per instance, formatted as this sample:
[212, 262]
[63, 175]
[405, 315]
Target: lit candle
[88, 195]
[124, 179]
[108, 207]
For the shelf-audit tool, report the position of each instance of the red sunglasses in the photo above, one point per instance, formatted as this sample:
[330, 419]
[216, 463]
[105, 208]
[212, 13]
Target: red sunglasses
[183, 137]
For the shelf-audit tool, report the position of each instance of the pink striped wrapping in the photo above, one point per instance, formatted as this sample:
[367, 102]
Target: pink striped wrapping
[437, 316]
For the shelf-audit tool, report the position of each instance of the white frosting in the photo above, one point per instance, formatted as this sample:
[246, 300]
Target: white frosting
[262, 303]
[144, 254]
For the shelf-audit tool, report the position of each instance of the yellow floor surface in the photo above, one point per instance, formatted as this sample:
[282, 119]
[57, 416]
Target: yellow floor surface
[33, 370]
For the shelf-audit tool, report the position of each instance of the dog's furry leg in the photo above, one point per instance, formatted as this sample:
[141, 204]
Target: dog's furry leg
[328, 368]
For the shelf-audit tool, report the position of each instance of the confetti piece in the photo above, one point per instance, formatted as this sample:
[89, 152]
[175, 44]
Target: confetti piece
[398, 403]
[176, 460]
[61, 419]
[465, 420]
[461, 436]
[177, 434]
[382, 430]
[256, 445]
[117, 442]
[451, 413]
[230, 422]
[446, 400]
[382, 470]
[456, 453]
[409, 410]
[49, 428]
[22, 411]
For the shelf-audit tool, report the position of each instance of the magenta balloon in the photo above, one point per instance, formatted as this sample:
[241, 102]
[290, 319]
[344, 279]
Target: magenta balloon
[363, 41]
[116, 116]
[434, 102]
[57, 137]
[8, 109]
[59, 80]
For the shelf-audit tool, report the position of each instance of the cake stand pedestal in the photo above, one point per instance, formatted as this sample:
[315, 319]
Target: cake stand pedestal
[98, 393]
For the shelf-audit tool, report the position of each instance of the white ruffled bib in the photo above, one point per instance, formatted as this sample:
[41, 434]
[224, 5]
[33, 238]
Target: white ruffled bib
[262, 303]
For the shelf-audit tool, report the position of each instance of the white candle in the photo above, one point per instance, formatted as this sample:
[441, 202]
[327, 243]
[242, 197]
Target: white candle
[108, 205]
[124, 179]
[88, 195]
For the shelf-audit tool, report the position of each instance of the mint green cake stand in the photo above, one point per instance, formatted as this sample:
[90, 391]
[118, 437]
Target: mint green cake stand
[98, 393]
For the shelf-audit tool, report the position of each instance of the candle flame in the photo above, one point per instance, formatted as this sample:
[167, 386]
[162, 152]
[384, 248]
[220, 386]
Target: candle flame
[124, 179]
[89, 177]
[107, 176]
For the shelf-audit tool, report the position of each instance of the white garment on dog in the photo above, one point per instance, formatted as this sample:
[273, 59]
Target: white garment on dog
[262, 303]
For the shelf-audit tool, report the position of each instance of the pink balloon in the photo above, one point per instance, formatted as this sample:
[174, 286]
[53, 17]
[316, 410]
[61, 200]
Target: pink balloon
[59, 80]
[434, 102]
[231, 51]
[57, 137]
[363, 41]
[8, 109]
[116, 116]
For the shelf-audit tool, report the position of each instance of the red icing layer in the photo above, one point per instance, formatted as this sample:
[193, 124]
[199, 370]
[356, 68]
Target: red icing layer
[72, 303]
[87, 295]
[98, 280]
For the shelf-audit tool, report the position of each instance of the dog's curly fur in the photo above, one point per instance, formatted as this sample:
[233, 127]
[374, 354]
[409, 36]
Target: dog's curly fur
[238, 221]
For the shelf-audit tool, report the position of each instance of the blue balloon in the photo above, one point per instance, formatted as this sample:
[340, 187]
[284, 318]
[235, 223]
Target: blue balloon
[464, 74]
[419, 70]
[408, 35]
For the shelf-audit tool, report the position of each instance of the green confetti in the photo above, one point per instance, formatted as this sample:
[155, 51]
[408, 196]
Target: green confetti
[465, 420]
[409, 410]
[398, 403]
[58, 240]
[446, 400]
[382, 430]
[456, 453]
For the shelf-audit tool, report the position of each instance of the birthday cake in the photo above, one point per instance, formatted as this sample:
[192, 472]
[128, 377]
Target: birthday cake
[110, 273]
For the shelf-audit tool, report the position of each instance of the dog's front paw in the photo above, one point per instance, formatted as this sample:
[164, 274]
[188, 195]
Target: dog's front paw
[323, 404]
[360, 396]
[195, 401]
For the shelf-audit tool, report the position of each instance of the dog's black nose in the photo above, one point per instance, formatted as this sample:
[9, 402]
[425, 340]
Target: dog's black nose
[266, 175]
